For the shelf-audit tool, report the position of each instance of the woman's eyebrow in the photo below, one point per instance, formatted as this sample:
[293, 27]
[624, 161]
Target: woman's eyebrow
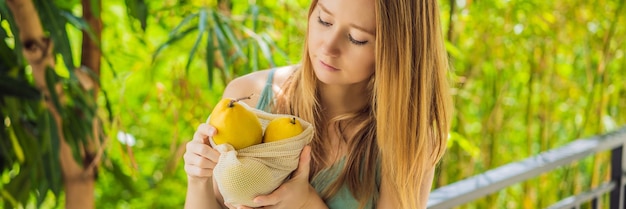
[323, 8]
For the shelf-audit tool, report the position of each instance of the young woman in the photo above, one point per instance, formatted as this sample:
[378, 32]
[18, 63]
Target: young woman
[373, 82]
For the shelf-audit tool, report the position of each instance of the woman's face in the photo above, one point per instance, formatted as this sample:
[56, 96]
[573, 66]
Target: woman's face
[341, 41]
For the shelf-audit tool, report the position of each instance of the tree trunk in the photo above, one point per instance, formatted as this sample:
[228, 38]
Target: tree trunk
[37, 49]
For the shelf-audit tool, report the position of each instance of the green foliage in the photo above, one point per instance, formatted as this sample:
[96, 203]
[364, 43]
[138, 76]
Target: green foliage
[528, 76]
[29, 150]
[30, 166]
[232, 47]
[55, 24]
[531, 76]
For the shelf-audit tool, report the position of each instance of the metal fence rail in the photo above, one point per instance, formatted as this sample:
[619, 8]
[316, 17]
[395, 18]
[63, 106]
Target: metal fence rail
[481, 185]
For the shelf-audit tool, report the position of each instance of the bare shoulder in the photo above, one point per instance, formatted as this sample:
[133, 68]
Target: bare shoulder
[253, 84]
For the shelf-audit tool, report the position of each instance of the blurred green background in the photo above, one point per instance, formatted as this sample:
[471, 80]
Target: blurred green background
[528, 76]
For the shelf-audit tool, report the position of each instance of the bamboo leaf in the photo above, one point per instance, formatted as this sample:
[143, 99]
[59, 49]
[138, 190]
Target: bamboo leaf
[19, 186]
[224, 26]
[72, 137]
[108, 105]
[274, 47]
[201, 30]
[15, 131]
[55, 24]
[254, 10]
[6, 153]
[10, 200]
[17, 88]
[453, 51]
[254, 58]
[7, 56]
[172, 40]
[222, 43]
[138, 10]
[125, 180]
[51, 81]
[53, 174]
[5, 14]
[266, 51]
[110, 64]
[210, 57]
[79, 23]
[42, 189]
[185, 21]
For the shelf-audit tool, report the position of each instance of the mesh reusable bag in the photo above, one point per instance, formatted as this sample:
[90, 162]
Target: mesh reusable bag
[244, 174]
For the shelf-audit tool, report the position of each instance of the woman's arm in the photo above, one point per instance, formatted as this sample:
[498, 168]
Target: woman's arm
[200, 194]
[200, 159]
[201, 187]
[387, 200]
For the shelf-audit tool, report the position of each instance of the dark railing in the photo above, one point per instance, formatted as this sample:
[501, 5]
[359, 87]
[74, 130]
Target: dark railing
[491, 181]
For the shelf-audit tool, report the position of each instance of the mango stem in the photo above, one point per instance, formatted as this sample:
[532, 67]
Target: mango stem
[232, 102]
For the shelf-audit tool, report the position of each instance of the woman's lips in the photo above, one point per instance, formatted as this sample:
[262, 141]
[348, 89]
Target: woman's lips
[328, 67]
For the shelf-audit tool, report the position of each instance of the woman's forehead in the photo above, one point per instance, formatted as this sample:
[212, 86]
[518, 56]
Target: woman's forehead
[359, 12]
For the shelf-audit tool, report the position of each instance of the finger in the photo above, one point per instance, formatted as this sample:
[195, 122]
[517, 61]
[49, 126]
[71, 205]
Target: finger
[203, 132]
[270, 199]
[304, 165]
[203, 150]
[198, 161]
[198, 172]
[230, 206]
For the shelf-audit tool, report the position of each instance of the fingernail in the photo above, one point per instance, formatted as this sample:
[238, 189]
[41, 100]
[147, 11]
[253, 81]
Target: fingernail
[211, 131]
[256, 200]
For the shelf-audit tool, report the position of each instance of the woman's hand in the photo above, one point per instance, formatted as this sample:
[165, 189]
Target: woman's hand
[295, 193]
[200, 158]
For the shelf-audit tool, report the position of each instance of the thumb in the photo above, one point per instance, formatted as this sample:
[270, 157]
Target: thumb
[304, 165]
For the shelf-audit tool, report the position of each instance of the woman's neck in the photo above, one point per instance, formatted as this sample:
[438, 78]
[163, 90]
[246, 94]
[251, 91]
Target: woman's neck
[341, 99]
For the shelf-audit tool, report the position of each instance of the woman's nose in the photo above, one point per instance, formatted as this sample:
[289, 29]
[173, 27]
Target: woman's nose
[330, 44]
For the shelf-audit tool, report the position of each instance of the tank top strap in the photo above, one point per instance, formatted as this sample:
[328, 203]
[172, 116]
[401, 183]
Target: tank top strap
[267, 95]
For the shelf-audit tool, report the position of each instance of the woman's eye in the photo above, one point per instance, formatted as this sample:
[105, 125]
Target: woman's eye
[319, 19]
[356, 42]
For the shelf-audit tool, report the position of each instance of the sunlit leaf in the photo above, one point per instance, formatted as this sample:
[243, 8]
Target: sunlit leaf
[7, 56]
[254, 57]
[222, 23]
[53, 165]
[17, 88]
[210, 57]
[7, 156]
[138, 10]
[5, 14]
[55, 24]
[19, 186]
[254, 10]
[201, 30]
[454, 51]
[222, 43]
[122, 178]
[51, 80]
[172, 40]
[79, 23]
[10, 200]
[185, 21]
[108, 106]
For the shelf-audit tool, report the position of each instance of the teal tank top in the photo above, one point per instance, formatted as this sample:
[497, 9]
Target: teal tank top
[267, 95]
[343, 199]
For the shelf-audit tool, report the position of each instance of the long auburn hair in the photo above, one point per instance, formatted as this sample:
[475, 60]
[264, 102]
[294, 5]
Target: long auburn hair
[405, 127]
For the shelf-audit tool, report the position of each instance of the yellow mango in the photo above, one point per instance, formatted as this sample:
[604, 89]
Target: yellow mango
[235, 124]
[282, 128]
